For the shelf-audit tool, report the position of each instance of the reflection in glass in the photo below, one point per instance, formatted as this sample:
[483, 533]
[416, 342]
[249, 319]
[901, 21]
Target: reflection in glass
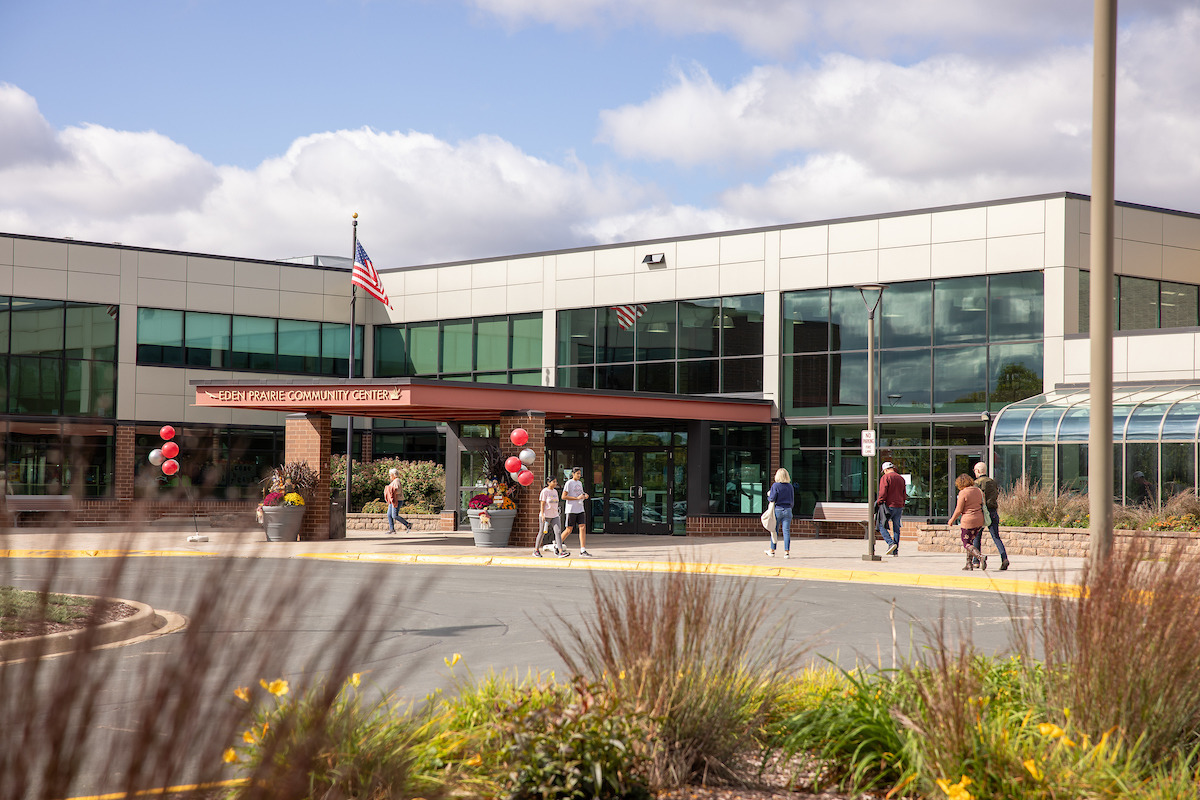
[37, 327]
[960, 311]
[806, 385]
[905, 377]
[848, 320]
[1178, 469]
[699, 330]
[91, 331]
[847, 469]
[656, 332]
[848, 378]
[905, 315]
[808, 471]
[905, 435]
[1075, 425]
[527, 342]
[1177, 305]
[576, 377]
[423, 349]
[299, 345]
[1145, 420]
[614, 341]
[805, 436]
[656, 377]
[959, 379]
[456, 347]
[206, 339]
[742, 325]
[1181, 421]
[699, 377]
[1015, 373]
[577, 336]
[1015, 309]
[491, 343]
[1039, 465]
[1044, 424]
[1138, 304]
[1073, 468]
[1141, 473]
[806, 321]
[1010, 425]
[1007, 465]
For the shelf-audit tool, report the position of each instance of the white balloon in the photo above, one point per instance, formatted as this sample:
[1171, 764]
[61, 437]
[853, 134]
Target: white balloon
[514, 474]
[527, 457]
[157, 457]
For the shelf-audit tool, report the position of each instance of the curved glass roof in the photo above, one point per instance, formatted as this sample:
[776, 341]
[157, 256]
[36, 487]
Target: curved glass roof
[1149, 413]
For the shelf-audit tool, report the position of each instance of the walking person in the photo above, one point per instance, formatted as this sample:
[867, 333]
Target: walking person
[970, 508]
[893, 492]
[991, 499]
[548, 519]
[783, 495]
[574, 495]
[393, 495]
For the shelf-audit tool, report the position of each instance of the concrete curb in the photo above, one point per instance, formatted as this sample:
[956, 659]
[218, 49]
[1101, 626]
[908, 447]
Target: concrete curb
[146, 620]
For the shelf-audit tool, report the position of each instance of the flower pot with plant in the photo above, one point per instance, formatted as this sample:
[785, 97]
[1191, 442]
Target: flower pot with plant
[493, 510]
[282, 509]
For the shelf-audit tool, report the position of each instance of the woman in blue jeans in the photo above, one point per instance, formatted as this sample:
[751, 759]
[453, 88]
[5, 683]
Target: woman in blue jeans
[783, 496]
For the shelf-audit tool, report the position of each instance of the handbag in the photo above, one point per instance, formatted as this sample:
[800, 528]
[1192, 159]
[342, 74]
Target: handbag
[987, 517]
[768, 518]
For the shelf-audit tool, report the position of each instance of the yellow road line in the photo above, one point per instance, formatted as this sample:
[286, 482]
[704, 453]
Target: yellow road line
[191, 787]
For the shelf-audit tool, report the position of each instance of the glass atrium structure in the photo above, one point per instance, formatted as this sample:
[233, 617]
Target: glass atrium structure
[1155, 431]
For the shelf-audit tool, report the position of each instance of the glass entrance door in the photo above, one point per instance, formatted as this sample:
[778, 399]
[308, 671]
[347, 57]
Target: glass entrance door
[637, 491]
[961, 461]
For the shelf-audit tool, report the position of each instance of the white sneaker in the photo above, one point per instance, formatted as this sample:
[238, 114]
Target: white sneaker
[771, 553]
[586, 553]
[786, 554]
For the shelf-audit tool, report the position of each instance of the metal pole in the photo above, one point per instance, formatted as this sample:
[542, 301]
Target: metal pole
[1100, 437]
[874, 493]
[350, 366]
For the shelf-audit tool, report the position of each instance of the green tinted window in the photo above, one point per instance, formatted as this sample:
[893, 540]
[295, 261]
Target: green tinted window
[206, 338]
[390, 361]
[1015, 306]
[90, 388]
[253, 343]
[299, 346]
[91, 332]
[960, 311]
[656, 332]
[1014, 373]
[35, 385]
[491, 343]
[742, 325]
[905, 378]
[456, 346]
[905, 315]
[699, 328]
[159, 336]
[335, 349]
[37, 327]
[577, 336]
[527, 342]
[1138, 304]
[423, 349]
[806, 321]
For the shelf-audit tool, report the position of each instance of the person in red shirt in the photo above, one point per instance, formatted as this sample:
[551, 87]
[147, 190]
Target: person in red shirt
[893, 491]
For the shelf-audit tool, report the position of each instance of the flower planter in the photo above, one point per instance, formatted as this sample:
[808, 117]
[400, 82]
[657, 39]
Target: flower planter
[497, 534]
[283, 522]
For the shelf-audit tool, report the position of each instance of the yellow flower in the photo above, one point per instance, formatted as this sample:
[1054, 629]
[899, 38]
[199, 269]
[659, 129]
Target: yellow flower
[355, 679]
[1050, 729]
[956, 791]
[278, 687]
[230, 756]
[242, 693]
[621, 676]
[452, 660]
[1032, 766]
[473, 761]
[248, 737]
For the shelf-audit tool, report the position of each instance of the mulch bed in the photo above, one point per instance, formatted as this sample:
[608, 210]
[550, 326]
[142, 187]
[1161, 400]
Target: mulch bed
[110, 613]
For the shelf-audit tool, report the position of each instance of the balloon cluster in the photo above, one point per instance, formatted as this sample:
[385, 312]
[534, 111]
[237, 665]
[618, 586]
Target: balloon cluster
[165, 456]
[517, 465]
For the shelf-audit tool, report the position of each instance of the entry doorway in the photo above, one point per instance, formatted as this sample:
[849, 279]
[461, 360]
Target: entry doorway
[961, 461]
[637, 491]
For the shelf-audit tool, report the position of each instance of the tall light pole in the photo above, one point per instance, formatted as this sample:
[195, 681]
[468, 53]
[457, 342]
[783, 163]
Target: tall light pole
[872, 493]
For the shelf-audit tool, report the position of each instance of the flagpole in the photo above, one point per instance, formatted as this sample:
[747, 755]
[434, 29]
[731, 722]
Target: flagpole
[350, 366]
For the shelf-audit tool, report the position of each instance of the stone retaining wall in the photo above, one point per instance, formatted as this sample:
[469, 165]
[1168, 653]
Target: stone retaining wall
[420, 522]
[1054, 542]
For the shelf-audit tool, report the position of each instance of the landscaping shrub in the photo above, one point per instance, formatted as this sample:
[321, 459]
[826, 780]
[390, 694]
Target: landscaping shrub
[423, 482]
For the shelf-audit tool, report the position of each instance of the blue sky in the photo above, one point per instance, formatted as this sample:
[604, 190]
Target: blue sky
[489, 127]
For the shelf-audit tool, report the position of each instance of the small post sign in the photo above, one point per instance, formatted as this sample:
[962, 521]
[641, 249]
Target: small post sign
[868, 443]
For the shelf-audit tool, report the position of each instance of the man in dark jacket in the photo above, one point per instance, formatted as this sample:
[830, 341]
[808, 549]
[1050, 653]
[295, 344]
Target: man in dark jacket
[892, 493]
[991, 499]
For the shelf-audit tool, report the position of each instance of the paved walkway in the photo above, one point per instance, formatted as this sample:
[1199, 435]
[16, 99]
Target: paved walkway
[812, 559]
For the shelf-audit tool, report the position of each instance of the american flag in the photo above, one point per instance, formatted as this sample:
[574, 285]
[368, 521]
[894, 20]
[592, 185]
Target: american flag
[364, 275]
[627, 315]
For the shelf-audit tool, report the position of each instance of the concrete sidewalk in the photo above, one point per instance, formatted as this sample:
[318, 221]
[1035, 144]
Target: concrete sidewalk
[812, 559]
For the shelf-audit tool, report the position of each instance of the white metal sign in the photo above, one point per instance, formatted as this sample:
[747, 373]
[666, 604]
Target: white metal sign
[868, 443]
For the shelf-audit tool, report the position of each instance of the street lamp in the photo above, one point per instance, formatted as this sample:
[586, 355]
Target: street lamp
[878, 288]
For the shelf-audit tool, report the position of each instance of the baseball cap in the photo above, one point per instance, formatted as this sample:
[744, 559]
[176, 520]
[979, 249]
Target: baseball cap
[887, 465]
[1139, 475]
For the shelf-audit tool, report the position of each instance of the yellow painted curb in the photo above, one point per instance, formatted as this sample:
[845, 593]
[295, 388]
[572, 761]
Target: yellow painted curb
[191, 787]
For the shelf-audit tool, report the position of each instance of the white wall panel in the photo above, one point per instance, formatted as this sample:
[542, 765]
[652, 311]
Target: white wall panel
[651, 286]
[575, 293]
[848, 269]
[698, 282]
[805, 272]
[906, 231]
[90, 287]
[82, 258]
[1056, 234]
[453, 305]
[32, 282]
[953, 259]
[453, 279]
[811, 240]
[526, 270]
[905, 263]
[613, 290]
[742, 278]
[959, 225]
[1015, 253]
[698, 252]
[523, 298]
[614, 261]
[846, 237]
[420, 281]
[1015, 219]
[743, 247]
[1052, 361]
[575, 265]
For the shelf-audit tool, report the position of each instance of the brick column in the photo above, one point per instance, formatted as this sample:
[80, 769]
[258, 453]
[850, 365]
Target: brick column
[307, 438]
[776, 456]
[123, 460]
[367, 455]
[525, 526]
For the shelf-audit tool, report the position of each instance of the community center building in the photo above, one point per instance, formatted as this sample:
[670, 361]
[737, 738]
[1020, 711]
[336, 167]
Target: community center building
[680, 373]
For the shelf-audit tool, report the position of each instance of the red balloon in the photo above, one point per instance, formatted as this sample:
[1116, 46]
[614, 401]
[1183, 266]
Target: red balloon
[524, 477]
[170, 467]
[167, 432]
[170, 449]
[519, 436]
[513, 464]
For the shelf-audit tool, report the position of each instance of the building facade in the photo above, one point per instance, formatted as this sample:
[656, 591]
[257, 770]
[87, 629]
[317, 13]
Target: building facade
[984, 306]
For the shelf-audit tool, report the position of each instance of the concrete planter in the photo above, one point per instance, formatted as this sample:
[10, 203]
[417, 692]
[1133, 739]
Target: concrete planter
[283, 523]
[501, 526]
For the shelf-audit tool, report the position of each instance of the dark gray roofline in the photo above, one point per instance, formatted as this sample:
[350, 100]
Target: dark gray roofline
[614, 245]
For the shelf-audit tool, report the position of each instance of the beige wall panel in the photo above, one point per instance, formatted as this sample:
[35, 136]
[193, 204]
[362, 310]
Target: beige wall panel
[161, 380]
[456, 278]
[249, 417]
[207, 415]
[805, 272]
[698, 252]
[575, 292]
[771, 266]
[161, 294]
[959, 225]
[1076, 358]
[772, 324]
[1085, 251]
[489, 273]
[210, 270]
[452, 305]
[256, 302]
[162, 266]
[1073, 210]
[952, 259]
[299, 305]
[666, 248]
[905, 263]
[419, 307]
[1164, 352]
[1120, 358]
[129, 277]
[40, 255]
[742, 278]
[615, 261]
[85, 258]
[1056, 301]
[1016, 253]
[91, 287]
[1181, 265]
[1015, 219]
[811, 240]
[32, 282]
[1056, 234]
[613, 290]
[743, 247]
[1178, 231]
[337, 309]
[848, 237]
[1052, 361]
[1139, 258]
[337, 282]
[6, 250]
[698, 282]
[256, 276]
[575, 265]
[1141, 225]
[211, 297]
[126, 340]
[420, 281]
[299, 279]
[653, 286]
[525, 270]
[522, 298]
[6, 278]
[126, 393]
[848, 269]
[906, 231]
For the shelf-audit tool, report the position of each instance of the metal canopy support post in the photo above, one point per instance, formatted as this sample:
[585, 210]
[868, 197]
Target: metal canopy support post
[872, 477]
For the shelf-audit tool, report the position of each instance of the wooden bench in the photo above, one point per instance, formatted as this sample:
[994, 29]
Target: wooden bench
[21, 505]
[859, 513]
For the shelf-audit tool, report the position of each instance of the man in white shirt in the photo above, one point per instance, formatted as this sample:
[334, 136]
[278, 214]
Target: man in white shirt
[574, 495]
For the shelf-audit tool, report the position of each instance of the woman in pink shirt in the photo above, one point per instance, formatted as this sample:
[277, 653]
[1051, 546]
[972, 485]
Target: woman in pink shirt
[548, 519]
[970, 508]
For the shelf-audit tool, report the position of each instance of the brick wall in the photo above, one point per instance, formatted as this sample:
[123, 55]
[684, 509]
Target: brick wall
[307, 438]
[123, 467]
[714, 525]
[525, 525]
[1054, 542]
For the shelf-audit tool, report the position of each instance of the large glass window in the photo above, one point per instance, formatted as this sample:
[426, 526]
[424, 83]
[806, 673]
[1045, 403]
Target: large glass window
[299, 346]
[206, 339]
[905, 380]
[160, 336]
[500, 349]
[905, 314]
[960, 311]
[1177, 305]
[1015, 306]
[738, 477]
[1138, 303]
[806, 321]
[959, 379]
[52, 458]
[37, 327]
[699, 328]
[1144, 303]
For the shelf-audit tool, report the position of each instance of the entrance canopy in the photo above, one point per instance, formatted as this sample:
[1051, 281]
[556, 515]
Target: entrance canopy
[452, 401]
